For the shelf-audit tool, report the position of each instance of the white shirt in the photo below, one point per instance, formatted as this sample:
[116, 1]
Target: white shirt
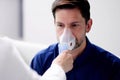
[13, 67]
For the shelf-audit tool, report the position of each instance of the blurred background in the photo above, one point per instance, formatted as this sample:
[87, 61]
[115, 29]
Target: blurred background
[32, 20]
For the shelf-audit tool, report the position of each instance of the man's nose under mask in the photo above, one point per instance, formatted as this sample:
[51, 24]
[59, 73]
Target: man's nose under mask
[67, 41]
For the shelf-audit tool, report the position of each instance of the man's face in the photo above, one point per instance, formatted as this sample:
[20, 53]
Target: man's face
[73, 20]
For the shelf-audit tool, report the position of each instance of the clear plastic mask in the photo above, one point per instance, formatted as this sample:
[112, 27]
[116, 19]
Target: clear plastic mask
[67, 41]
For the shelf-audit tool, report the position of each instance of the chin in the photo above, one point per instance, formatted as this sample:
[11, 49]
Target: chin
[78, 44]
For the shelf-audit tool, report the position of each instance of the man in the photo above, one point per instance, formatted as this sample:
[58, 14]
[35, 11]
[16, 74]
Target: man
[13, 67]
[72, 21]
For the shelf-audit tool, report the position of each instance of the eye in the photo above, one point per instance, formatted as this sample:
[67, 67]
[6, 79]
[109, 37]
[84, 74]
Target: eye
[59, 25]
[75, 25]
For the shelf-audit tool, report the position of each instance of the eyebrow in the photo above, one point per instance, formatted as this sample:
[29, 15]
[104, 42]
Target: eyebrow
[76, 22]
[71, 22]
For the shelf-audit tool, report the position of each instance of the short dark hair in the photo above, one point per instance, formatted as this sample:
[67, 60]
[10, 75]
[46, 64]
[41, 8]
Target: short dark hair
[82, 5]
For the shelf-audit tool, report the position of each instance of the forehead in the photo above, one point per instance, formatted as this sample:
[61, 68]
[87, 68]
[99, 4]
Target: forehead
[71, 10]
[68, 15]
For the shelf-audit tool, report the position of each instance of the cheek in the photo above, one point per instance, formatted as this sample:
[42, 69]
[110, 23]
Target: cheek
[58, 33]
[79, 34]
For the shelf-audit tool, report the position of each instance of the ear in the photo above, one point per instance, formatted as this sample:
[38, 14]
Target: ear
[89, 25]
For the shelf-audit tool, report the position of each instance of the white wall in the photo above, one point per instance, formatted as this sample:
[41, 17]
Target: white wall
[39, 28]
[38, 21]
[105, 30]
[10, 18]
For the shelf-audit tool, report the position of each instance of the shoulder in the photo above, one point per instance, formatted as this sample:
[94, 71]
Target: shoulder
[48, 51]
[43, 59]
[106, 56]
[101, 55]
[107, 62]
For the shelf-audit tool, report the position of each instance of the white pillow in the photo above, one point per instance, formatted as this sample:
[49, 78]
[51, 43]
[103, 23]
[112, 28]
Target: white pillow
[26, 49]
[12, 65]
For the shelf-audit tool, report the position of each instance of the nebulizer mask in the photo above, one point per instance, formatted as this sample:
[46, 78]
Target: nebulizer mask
[67, 41]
